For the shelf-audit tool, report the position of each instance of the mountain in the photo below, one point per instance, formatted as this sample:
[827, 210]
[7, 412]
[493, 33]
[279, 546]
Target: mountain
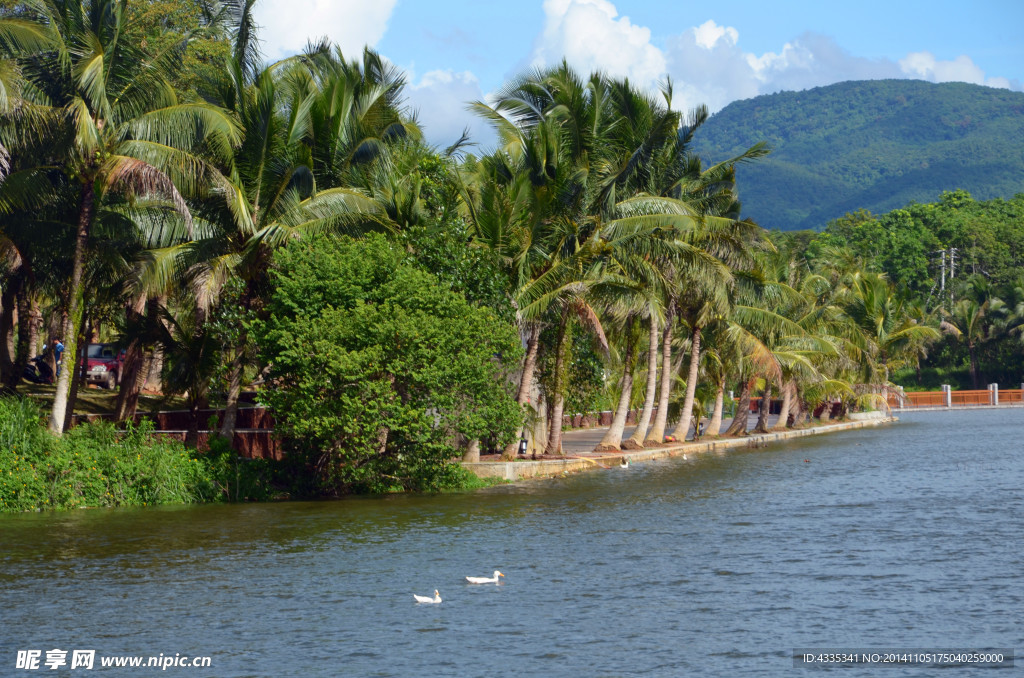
[873, 144]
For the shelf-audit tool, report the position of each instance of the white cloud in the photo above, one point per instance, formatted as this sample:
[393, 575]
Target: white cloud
[708, 65]
[925, 66]
[441, 98]
[285, 28]
[590, 35]
[709, 33]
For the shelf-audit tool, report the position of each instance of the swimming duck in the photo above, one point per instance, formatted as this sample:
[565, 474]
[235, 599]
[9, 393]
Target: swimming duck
[485, 580]
[425, 599]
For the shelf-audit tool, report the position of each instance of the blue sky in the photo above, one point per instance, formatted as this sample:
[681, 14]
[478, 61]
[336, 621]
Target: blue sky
[454, 51]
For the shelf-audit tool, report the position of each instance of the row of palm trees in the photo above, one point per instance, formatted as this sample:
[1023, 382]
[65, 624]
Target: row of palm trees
[123, 203]
[607, 219]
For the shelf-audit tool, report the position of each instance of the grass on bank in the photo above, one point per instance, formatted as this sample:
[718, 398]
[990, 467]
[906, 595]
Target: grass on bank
[97, 465]
[91, 400]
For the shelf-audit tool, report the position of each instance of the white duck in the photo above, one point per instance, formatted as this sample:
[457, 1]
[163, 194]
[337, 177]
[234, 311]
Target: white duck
[425, 599]
[485, 580]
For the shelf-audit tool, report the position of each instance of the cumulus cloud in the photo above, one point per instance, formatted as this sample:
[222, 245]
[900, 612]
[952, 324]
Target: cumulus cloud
[285, 27]
[709, 33]
[591, 35]
[441, 98]
[925, 66]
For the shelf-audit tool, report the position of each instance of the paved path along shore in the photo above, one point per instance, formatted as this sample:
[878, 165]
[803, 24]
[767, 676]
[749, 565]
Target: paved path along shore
[572, 462]
[583, 440]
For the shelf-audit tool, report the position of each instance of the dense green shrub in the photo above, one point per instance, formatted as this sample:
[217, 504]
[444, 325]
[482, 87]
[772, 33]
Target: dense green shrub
[93, 465]
[240, 479]
[375, 368]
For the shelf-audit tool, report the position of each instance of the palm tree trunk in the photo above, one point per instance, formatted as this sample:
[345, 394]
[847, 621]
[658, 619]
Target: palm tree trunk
[131, 372]
[554, 445]
[227, 427]
[472, 453]
[657, 433]
[529, 366]
[9, 375]
[765, 409]
[799, 409]
[974, 364]
[715, 423]
[153, 370]
[636, 441]
[539, 434]
[525, 386]
[613, 438]
[77, 369]
[60, 400]
[691, 387]
[26, 321]
[738, 427]
[35, 325]
[787, 401]
[131, 382]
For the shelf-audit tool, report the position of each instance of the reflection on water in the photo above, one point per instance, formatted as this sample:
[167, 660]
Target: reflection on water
[902, 536]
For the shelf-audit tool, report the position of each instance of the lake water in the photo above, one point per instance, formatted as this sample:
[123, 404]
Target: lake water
[902, 536]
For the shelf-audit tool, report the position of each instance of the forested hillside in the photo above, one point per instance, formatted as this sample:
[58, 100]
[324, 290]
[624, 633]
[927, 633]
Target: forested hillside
[874, 145]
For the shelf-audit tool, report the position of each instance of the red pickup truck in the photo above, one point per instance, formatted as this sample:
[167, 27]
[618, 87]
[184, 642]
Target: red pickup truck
[103, 364]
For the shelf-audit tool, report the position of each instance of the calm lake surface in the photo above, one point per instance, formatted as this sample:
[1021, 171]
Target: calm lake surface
[908, 535]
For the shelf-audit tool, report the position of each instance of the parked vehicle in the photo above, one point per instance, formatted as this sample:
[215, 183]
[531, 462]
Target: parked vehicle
[103, 365]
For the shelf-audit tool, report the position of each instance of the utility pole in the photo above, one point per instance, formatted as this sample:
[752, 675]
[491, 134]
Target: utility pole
[952, 271]
[942, 285]
[942, 253]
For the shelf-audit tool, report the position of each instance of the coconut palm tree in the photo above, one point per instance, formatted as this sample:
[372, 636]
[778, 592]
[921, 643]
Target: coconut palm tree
[887, 335]
[117, 126]
[310, 125]
[548, 201]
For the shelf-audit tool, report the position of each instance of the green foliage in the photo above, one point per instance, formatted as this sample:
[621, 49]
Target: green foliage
[583, 369]
[874, 145]
[183, 27]
[375, 367]
[240, 479]
[982, 303]
[93, 465]
[441, 241]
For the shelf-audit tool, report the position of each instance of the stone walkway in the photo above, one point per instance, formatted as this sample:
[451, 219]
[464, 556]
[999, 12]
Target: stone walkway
[584, 440]
[586, 459]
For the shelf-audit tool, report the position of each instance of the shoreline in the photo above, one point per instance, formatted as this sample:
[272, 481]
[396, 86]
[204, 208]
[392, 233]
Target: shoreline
[529, 469]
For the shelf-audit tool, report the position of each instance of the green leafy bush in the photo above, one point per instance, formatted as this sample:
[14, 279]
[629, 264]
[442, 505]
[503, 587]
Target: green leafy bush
[375, 368]
[240, 479]
[93, 465]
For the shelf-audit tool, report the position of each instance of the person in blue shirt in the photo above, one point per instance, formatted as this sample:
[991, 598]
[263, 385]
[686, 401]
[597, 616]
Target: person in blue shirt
[58, 351]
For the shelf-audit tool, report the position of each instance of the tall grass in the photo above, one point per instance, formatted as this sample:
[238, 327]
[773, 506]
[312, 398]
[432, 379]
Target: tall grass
[94, 465]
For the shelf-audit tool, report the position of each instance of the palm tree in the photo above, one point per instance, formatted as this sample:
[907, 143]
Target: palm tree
[117, 126]
[549, 203]
[969, 321]
[191, 354]
[310, 124]
[886, 334]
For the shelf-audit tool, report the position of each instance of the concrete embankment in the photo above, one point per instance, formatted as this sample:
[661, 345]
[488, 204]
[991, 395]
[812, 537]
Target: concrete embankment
[546, 468]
